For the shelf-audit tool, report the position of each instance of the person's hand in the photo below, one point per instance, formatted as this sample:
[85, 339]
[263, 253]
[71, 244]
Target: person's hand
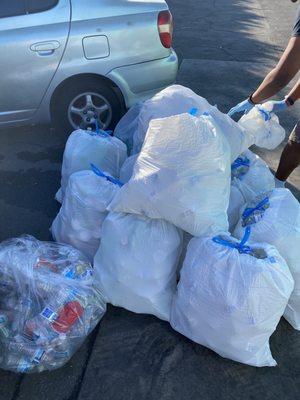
[274, 106]
[244, 107]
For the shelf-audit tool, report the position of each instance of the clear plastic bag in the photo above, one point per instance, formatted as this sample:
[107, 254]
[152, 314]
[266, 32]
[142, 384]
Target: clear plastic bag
[264, 127]
[86, 147]
[79, 221]
[48, 304]
[136, 264]
[275, 218]
[182, 175]
[231, 296]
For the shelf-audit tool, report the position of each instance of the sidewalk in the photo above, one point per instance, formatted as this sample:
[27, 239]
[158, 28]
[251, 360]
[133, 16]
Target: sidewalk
[225, 48]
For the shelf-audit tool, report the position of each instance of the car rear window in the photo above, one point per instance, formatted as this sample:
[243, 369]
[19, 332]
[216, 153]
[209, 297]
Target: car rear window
[35, 6]
[11, 8]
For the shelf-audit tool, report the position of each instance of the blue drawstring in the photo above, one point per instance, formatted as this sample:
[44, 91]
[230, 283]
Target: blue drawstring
[260, 207]
[101, 132]
[97, 127]
[265, 114]
[241, 247]
[240, 162]
[98, 172]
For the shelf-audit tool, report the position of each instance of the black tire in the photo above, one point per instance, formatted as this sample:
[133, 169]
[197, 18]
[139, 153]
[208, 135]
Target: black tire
[63, 98]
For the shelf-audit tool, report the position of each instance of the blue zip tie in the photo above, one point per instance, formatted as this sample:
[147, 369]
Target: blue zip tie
[239, 162]
[259, 207]
[241, 247]
[98, 172]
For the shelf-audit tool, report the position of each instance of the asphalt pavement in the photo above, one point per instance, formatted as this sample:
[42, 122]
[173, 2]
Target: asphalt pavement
[225, 48]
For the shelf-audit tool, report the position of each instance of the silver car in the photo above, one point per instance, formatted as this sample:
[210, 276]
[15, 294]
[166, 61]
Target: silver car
[81, 63]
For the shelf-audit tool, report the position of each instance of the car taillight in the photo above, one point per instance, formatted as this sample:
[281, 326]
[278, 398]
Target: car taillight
[165, 28]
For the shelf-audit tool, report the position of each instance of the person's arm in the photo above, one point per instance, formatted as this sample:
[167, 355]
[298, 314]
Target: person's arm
[282, 74]
[294, 94]
[276, 80]
[288, 101]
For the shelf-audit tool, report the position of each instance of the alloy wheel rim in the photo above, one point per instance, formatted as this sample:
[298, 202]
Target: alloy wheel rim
[90, 110]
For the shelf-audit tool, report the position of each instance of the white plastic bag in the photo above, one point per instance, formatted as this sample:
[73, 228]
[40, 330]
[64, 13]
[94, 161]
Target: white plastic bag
[177, 99]
[182, 175]
[230, 301]
[136, 263]
[236, 204]
[251, 175]
[128, 125]
[264, 126]
[83, 211]
[48, 304]
[127, 168]
[276, 220]
[86, 147]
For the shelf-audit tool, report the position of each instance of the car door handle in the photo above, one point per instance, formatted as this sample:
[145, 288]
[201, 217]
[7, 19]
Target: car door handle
[45, 48]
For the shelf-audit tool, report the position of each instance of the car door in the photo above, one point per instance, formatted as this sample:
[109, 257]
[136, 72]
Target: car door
[33, 36]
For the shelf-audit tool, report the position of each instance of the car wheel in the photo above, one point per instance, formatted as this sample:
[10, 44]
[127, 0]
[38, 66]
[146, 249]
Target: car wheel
[86, 104]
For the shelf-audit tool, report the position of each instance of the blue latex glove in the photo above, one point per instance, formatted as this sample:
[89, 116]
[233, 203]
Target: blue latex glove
[274, 106]
[243, 107]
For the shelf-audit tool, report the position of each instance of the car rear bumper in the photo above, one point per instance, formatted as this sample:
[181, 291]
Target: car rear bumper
[141, 81]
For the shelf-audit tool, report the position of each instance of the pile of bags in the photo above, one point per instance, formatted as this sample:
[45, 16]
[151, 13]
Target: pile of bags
[189, 175]
[48, 304]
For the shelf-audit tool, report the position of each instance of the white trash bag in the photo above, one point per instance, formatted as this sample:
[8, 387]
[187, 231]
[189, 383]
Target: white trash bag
[136, 263]
[86, 147]
[127, 168]
[83, 211]
[230, 297]
[182, 175]
[264, 126]
[128, 125]
[251, 175]
[236, 204]
[177, 99]
[276, 220]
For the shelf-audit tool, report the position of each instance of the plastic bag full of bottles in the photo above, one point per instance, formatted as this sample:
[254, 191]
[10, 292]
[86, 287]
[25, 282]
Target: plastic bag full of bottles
[48, 304]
